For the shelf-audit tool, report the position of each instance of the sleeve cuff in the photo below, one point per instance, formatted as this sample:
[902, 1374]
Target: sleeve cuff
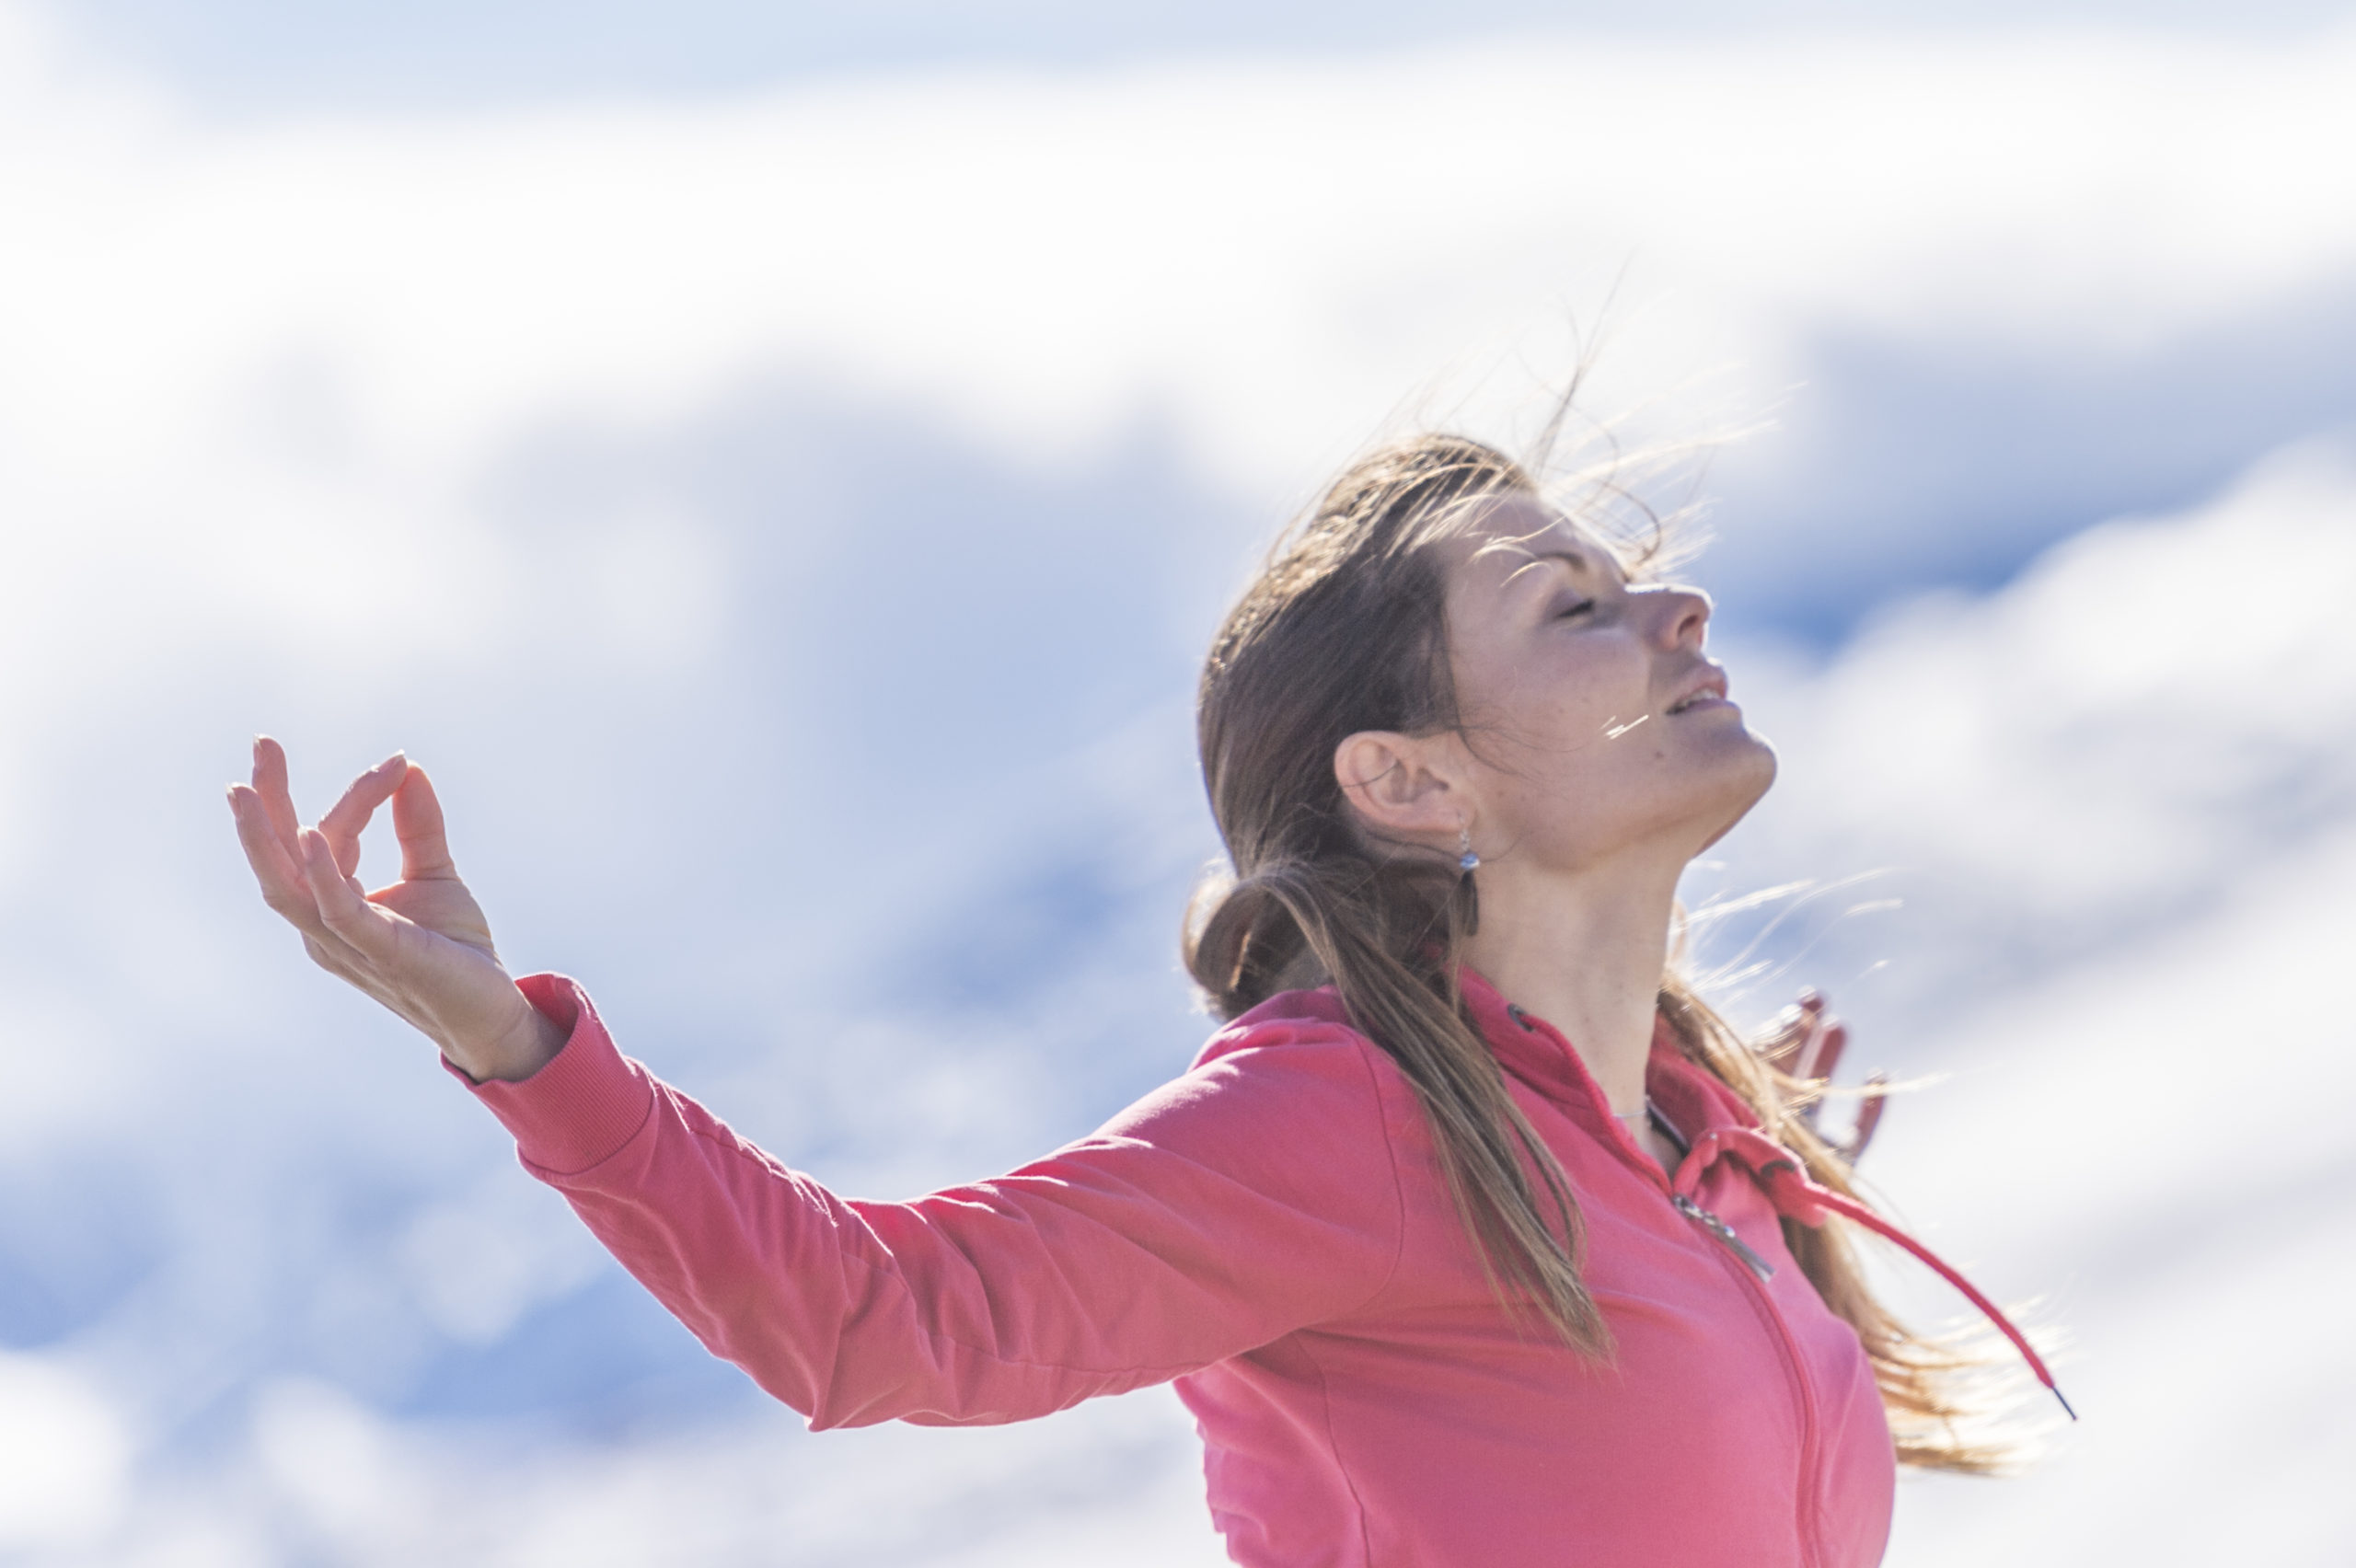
[589, 1101]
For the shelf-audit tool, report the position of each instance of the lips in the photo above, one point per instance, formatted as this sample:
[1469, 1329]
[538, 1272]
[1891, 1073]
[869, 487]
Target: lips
[1710, 686]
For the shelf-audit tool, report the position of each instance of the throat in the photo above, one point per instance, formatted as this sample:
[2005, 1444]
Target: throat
[1590, 966]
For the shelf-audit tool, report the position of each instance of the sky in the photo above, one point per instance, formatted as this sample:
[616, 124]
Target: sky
[249, 56]
[780, 480]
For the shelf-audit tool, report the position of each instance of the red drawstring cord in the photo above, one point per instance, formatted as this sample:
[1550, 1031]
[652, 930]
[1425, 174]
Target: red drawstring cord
[1797, 1197]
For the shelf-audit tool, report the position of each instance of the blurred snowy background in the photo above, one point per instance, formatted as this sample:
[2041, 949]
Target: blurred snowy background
[778, 466]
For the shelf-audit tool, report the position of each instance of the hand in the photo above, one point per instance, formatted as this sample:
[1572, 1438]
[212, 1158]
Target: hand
[1806, 1043]
[419, 946]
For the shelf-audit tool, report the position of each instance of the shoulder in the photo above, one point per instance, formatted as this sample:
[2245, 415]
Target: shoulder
[1296, 1037]
[1288, 1081]
[1289, 1018]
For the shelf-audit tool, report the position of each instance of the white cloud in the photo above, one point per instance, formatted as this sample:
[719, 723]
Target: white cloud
[479, 1260]
[1267, 255]
[65, 1457]
[2153, 711]
[341, 1466]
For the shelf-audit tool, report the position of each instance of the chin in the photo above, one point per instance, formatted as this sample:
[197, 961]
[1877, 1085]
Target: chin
[1750, 775]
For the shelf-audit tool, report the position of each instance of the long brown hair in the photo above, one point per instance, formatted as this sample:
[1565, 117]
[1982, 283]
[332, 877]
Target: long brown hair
[1344, 630]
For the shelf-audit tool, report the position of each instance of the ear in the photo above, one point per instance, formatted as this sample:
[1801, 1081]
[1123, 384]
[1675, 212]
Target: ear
[1400, 788]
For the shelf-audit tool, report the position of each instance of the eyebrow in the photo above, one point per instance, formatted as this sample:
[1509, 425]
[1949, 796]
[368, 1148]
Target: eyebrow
[1576, 559]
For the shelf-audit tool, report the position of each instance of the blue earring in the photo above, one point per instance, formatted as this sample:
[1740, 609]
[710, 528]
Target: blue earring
[1465, 860]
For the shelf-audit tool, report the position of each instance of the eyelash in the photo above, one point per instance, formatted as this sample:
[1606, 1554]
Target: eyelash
[1582, 605]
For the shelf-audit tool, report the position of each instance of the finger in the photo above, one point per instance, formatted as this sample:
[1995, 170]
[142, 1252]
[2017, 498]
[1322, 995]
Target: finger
[1836, 1041]
[350, 814]
[343, 909]
[286, 889]
[270, 783]
[283, 884]
[1821, 1055]
[1790, 1031]
[1803, 1053]
[417, 822]
[1869, 1117]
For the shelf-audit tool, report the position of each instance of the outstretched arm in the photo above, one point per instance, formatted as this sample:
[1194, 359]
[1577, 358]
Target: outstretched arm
[1257, 1194]
[421, 946]
[1254, 1196]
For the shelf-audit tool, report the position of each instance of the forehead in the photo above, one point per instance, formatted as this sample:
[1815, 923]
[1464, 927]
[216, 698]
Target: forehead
[1515, 537]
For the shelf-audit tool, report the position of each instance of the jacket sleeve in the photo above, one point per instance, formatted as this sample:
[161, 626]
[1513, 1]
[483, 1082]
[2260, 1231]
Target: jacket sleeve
[1257, 1194]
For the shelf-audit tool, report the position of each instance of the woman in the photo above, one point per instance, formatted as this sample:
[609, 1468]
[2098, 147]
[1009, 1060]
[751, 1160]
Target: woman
[1473, 1238]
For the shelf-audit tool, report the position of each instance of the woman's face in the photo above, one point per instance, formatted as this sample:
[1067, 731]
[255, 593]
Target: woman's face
[1594, 725]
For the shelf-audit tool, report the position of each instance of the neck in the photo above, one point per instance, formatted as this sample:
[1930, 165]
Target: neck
[1585, 952]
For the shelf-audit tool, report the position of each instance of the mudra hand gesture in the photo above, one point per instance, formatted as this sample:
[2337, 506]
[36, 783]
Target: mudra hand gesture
[1806, 1043]
[421, 946]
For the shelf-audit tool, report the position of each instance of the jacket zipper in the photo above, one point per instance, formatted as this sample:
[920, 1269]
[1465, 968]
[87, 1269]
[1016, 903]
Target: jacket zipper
[1761, 1271]
[1724, 1232]
[1753, 1276]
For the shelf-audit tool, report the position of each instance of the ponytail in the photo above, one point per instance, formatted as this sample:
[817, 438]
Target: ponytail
[1382, 934]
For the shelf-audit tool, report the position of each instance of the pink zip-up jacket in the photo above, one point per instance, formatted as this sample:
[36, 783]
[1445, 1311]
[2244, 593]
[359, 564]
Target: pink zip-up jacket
[1271, 1231]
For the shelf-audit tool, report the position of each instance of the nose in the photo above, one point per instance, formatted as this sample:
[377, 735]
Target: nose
[1679, 616]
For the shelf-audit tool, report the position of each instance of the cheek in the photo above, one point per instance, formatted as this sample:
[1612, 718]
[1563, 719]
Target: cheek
[1582, 708]
[1579, 753]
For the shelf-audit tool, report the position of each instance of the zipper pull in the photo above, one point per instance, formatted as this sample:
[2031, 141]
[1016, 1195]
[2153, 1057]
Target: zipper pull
[1724, 1232]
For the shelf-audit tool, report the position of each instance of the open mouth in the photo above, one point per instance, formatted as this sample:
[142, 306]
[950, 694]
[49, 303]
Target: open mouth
[1700, 697]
